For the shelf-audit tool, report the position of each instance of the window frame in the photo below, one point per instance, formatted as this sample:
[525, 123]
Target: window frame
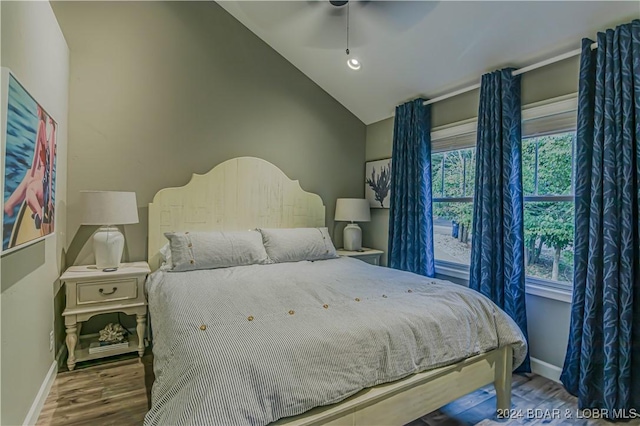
[560, 114]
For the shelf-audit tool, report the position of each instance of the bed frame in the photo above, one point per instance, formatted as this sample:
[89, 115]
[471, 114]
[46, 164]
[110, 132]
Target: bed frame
[246, 193]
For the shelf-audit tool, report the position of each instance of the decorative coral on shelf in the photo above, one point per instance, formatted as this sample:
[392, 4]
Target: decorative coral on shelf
[112, 333]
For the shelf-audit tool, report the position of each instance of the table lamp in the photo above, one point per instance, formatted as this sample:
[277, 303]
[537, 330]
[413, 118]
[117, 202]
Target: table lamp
[352, 210]
[108, 208]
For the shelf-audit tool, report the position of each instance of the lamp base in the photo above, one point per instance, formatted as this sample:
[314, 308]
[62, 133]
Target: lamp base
[352, 237]
[108, 245]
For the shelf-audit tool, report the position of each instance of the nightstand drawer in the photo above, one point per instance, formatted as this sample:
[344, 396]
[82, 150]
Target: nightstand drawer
[366, 255]
[105, 291]
[373, 259]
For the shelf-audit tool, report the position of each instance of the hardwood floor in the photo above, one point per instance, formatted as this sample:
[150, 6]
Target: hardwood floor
[117, 392]
[535, 400]
[112, 392]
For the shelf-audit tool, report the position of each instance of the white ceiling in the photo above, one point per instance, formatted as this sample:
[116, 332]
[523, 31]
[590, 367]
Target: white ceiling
[411, 49]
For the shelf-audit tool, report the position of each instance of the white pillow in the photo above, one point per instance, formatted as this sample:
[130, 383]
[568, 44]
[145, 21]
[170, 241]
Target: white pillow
[165, 252]
[209, 250]
[297, 244]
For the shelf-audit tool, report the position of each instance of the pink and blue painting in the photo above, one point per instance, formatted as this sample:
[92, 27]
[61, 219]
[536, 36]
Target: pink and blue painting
[30, 170]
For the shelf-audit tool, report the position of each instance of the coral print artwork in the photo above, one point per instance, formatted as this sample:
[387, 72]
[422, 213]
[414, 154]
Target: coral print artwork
[29, 149]
[377, 186]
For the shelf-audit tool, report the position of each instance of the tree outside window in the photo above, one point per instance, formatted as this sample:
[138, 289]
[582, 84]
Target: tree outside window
[547, 172]
[547, 163]
[453, 179]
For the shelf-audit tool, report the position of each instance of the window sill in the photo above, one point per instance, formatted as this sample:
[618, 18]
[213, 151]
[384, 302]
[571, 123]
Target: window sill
[533, 286]
[549, 289]
[452, 270]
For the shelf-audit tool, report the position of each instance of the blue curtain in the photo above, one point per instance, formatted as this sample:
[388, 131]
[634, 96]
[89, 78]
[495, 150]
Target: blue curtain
[410, 215]
[602, 365]
[497, 249]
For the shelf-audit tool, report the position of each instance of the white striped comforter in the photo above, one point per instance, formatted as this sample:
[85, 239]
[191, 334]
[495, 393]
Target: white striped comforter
[253, 344]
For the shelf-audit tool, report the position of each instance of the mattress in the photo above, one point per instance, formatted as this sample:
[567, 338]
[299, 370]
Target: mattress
[253, 344]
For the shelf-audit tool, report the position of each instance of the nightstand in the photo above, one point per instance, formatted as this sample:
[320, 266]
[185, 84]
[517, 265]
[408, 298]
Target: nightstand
[368, 255]
[91, 292]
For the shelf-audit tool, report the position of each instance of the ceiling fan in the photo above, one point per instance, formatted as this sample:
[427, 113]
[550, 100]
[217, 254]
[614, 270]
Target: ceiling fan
[322, 24]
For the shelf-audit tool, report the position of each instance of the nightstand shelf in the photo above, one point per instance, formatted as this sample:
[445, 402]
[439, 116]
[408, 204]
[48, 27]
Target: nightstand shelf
[367, 255]
[82, 348]
[92, 292]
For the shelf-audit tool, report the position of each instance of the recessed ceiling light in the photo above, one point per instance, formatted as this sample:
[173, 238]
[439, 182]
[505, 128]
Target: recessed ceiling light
[354, 64]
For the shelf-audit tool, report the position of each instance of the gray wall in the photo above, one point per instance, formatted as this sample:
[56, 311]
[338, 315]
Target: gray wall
[161, 90]
[548, 319]
[35, 50]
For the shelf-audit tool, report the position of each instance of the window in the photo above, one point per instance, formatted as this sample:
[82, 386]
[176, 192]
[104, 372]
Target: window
[548, 169]
[452, 182]
[547, 173]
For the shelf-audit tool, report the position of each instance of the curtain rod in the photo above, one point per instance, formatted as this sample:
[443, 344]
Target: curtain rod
[531, 67]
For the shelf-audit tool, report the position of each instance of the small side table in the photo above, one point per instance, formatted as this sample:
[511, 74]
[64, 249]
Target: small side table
[91, 292]
[368, 255]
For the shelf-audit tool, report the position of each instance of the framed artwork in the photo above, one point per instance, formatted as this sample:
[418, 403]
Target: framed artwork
[377, 183]
[28, 167]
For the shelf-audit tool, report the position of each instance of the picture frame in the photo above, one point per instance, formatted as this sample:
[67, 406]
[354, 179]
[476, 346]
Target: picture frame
[28, 157]
[377, 183]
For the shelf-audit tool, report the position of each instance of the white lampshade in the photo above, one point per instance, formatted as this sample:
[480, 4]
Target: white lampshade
[108, 207]
[353, 210]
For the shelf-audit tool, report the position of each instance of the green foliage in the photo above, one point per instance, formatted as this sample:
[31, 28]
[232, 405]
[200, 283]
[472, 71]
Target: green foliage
[458, 178]
[551, 222]
[553, 170]
[555, 164]
[457, 181]
[436, 175]
[547, 170]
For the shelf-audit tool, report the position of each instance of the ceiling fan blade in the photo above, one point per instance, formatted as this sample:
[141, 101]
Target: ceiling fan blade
[396, 16]
[324, 26]
[329, 31]
[271, 15]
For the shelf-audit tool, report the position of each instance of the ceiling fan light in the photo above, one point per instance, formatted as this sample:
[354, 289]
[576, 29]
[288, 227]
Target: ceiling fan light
[354, 64]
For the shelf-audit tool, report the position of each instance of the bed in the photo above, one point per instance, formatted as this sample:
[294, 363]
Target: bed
[335, 341]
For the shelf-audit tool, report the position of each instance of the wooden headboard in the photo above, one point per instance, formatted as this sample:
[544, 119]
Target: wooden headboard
[240, 194]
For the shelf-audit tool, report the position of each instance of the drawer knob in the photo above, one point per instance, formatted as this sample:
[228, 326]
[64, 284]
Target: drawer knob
[104, 293]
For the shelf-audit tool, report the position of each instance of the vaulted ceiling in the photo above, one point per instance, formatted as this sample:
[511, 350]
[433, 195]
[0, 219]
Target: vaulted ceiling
[419, 48]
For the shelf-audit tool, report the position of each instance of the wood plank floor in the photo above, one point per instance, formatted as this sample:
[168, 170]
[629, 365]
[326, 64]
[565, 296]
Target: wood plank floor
[114, 392]
[118, 393]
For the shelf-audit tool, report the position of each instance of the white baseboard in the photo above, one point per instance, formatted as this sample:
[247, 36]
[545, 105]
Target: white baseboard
[545, 369]
[41, 397]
